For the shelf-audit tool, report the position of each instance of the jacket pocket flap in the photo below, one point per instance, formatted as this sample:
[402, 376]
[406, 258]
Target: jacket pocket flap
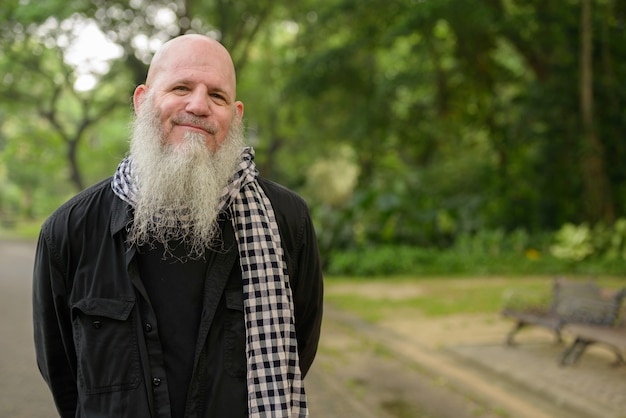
[109, 308]
[234, 299]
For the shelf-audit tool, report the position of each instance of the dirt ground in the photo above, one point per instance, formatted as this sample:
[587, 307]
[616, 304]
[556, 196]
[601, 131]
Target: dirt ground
[402, 367]
[409, 377]
[386, 384]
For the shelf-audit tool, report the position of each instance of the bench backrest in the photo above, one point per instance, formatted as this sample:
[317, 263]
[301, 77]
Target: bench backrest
[585, 302]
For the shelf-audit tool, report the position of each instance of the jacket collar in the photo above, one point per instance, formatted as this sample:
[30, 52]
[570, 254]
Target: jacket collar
[120, 215]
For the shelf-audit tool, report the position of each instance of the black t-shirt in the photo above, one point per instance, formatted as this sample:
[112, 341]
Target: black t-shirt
[175, 286]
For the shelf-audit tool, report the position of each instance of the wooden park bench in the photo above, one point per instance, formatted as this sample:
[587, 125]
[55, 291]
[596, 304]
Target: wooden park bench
[611, 336]
[570, 302]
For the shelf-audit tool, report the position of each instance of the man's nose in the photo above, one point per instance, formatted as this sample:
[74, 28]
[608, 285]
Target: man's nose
[198, 103]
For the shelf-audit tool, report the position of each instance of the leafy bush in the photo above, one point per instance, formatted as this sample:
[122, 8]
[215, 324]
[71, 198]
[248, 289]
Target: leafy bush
[386, 260]
[573, 242]
[581, 242]
[572, 250]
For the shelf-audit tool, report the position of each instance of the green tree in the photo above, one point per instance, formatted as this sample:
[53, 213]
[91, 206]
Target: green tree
[474, 108]
[461, 116]
[37, 42]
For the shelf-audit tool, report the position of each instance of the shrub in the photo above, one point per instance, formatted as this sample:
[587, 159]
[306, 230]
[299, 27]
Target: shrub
[581, 242]
[573, 250]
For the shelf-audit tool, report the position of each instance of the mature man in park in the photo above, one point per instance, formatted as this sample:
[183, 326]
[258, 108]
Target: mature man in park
[186, 285]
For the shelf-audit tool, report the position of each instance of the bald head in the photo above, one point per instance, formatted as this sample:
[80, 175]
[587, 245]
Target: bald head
[193, 50]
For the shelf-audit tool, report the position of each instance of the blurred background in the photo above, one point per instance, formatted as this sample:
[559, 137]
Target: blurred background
[450, 151]
[429, 137]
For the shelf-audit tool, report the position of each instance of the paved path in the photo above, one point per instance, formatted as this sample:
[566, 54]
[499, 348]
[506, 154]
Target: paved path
[23, 394]
[592, 388]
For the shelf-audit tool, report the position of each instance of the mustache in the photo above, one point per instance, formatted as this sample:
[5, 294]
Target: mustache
[195, 122]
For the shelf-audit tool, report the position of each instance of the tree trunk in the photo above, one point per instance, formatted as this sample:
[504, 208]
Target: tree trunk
[72, 157]
[597, 193]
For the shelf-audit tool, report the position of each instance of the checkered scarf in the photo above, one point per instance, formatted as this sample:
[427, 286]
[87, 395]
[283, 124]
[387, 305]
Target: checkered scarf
[274, 380]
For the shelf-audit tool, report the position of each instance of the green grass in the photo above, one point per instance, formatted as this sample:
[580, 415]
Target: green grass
[373, 298]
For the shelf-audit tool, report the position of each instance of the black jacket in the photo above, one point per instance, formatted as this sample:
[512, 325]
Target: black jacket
[96, 335]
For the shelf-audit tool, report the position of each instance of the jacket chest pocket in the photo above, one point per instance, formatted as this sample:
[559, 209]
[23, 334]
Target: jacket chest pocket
[106, 345]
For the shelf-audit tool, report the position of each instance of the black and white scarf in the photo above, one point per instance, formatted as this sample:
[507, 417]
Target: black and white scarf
[275, 387]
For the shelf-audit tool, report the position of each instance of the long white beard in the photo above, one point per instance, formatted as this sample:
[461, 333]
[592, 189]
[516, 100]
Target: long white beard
[180, 186]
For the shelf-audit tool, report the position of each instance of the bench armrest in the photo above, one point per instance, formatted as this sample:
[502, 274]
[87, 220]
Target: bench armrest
[526, 301]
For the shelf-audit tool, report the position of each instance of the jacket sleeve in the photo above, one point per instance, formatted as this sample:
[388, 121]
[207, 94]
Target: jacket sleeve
[52, 327]
[308, 295]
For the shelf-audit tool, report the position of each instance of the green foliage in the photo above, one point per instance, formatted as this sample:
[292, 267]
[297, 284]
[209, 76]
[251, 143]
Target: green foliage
[331, 181]
[10, 202]
[395, 260]
[463, 131]
[573, 242]
[490, 252]
[481, 121]
[580, 242]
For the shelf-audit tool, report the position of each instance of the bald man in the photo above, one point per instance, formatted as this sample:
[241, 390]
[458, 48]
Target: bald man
[186, 285]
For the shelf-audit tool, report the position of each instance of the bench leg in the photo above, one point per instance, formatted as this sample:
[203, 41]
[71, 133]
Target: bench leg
[559, 337]
[509, 337]
[572, 353]
[619, 360]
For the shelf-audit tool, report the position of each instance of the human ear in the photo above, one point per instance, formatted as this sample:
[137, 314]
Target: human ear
[139, 96]
[239, 110]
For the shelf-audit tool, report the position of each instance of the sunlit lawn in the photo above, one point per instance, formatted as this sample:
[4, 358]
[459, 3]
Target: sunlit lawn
[375, 298]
